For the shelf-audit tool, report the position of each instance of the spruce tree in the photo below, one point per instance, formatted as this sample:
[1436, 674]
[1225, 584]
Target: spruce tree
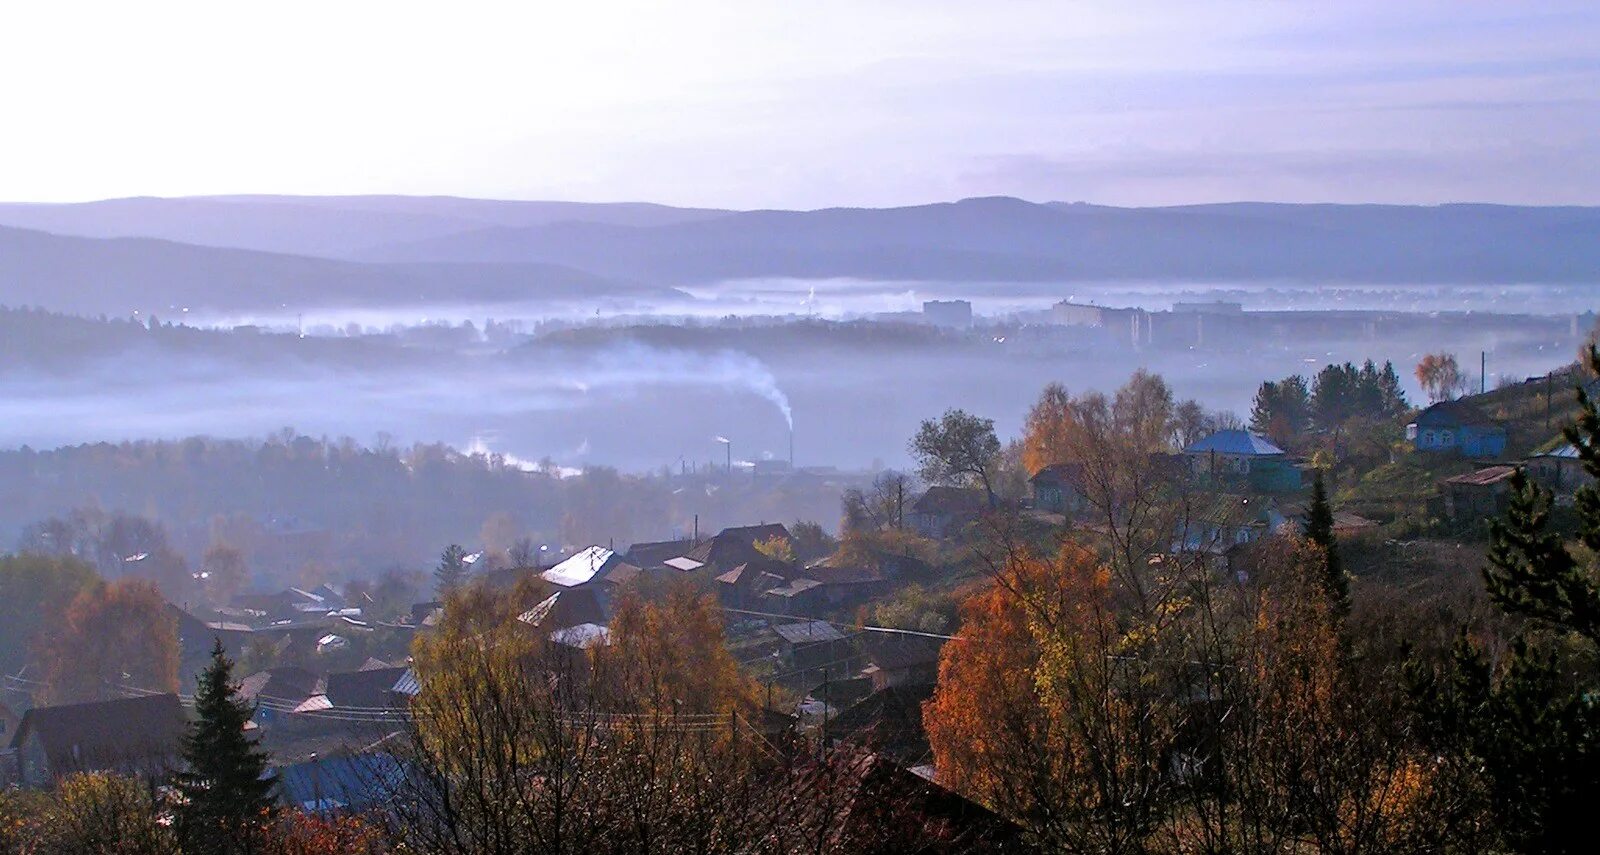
[1319, 530]
[452, 569]
[1533, 733]
[226, 793]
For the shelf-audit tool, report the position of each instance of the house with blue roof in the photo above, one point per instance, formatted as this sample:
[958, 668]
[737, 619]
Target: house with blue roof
[1241, 457]
[343, 783]
[1456, 427]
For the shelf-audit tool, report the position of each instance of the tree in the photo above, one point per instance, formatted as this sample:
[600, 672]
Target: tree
[1440, 376]
[1319, 530]
[777, 547]
[222, 572]
[111, 635]
[34, 592]
[1531, 732]
[958, 449]
[227, 795]
[878, 507]
[452, 570]
[1045, 433]
[811, 541]
[1282, 409]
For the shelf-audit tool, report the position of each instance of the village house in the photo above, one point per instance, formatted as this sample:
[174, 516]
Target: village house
[131, 736]
[1559, 470]
[895, 659]
[743, 586]
[1456, 427]
[1217, 523]
[1478, 495]
[816, 644]
[1240, 457]
[1058, 488]
[587, 565]
[944, 512]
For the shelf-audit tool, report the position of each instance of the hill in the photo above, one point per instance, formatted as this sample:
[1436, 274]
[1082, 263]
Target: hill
[1010, 239]
[117, 276]
[328, 226]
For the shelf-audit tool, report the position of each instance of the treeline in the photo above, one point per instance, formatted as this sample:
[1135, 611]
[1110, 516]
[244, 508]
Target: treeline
[345, 509]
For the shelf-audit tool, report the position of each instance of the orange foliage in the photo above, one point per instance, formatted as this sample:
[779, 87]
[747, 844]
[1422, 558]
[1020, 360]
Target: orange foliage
[672, 652]
[986, 715]
[297, 833]
[1046, 436]
[111, 634]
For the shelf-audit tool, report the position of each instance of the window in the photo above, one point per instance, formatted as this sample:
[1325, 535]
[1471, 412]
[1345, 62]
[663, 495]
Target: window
[1449, 437]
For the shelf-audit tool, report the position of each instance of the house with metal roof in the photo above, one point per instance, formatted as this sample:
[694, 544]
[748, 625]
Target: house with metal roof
[1478, 495]
[1242, 457]
[1559, 469]
[1456, 427]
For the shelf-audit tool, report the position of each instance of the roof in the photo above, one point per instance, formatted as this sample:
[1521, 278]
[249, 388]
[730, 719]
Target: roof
[581, 568]
[872, 797]
[1240, 442]
[808, 631]
[683, 563]
[829, 574]
[1452, 414]
[567, 608]
[373, 688]
[653, 553]
[1564, 451]
[954, 501]
[287, 683]
[345, 781]
[1058, 475]
[753, 534]
[105, 731]
[1483, 477]
[894, 651]
[1230, 509]
[888, 720]
[794, 588]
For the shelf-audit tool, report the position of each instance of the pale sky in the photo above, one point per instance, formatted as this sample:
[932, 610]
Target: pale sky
[748, 103]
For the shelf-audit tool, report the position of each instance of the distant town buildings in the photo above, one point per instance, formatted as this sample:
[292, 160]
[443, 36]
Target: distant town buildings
[954, 314]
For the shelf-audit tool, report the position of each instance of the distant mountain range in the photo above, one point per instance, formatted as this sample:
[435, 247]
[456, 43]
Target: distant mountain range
[116, 276]
[242, 251]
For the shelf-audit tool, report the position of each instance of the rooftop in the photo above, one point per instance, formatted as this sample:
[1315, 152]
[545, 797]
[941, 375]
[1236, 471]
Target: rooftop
[1240, 442]
[808, 632]
[582, 567]
[1484, 477]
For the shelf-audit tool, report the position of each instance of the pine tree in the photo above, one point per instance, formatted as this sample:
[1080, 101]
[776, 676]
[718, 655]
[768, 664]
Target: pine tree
[452, 569]
[1319, 530]
[226, 792]
[1533, 734]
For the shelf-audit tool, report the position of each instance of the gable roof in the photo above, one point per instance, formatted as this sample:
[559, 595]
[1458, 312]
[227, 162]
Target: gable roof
[1240, 442]
[753, 534]
[284, 684]
[1564, 451]
[80, 735]
[568, 608]
[952, 501]
[344, 781]
[653, 553]
[894, 651]
[581, 568]
[373, 689]
[1058, 475]
[1453, 414]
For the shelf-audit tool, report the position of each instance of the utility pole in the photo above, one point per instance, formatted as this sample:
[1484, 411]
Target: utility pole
[1483, 371]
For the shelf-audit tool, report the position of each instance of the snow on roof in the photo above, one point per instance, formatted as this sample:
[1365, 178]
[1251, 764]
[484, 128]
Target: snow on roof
[1234, 442]
[580, 568]
[683, 563]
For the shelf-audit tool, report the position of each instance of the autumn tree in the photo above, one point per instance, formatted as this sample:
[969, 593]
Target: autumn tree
[112, 634]
[777, 547]
[1046, 431]
[959, 449]
[227, 794]
[34, 592]
[1440, 376]
[876, 507]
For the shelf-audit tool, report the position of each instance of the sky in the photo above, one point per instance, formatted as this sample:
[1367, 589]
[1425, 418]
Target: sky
[750, 103]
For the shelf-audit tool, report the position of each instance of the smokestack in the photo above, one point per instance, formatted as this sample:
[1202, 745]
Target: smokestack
[791, 446]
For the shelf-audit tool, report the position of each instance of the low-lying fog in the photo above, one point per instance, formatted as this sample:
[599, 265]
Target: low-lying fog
[579, 389]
